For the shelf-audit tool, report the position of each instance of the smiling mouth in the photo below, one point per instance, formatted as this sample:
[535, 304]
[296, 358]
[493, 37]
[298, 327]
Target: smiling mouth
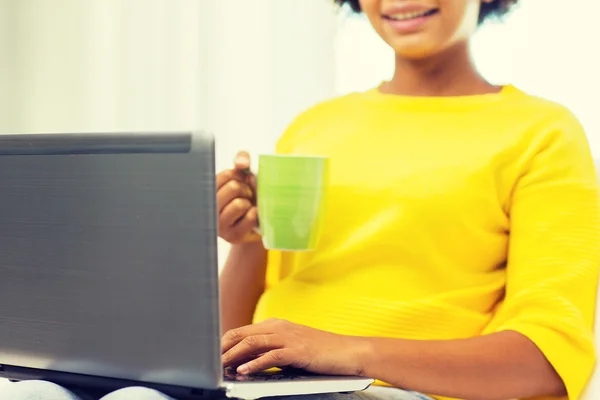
[410, 15]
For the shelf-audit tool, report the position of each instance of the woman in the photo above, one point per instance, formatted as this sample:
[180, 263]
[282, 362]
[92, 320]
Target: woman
[460, 251]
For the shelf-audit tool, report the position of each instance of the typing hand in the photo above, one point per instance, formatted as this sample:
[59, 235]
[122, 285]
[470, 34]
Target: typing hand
[279, 343]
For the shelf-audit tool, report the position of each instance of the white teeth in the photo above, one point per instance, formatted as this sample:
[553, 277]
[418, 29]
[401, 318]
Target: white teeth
[410, 15]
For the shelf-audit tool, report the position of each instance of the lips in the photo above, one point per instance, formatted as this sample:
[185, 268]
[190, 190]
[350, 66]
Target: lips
[408, 20]
[408, 15]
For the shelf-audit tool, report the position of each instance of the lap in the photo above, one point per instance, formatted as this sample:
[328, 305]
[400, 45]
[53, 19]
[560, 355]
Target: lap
[40, 390]
[37, 390]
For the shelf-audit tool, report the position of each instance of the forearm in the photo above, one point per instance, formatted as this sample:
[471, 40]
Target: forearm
[242, 282]
[500, 366]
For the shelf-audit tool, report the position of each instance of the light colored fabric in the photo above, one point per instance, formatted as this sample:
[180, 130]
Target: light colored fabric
[36, 390]
[449, 217]
[140, 393]
[40, 390]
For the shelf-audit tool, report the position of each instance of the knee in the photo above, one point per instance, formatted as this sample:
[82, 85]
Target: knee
[136, 392]
[33, 390]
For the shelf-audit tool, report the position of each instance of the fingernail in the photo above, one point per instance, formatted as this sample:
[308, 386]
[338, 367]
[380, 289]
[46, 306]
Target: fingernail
[243, 369]
[241, 159]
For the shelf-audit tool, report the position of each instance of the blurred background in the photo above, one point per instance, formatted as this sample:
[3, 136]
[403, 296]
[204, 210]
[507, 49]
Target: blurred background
[243, 69]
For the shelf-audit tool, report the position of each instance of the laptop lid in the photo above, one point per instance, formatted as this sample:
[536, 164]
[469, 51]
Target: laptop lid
[109, 256]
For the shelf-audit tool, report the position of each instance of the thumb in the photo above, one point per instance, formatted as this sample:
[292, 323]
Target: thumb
[242, 161]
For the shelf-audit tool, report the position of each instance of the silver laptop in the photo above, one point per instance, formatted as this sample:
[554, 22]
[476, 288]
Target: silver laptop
[108, 267]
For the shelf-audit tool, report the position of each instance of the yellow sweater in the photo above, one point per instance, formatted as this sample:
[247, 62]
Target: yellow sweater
[449, 218]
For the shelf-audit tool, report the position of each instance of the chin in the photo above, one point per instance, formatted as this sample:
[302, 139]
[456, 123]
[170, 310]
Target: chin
[415, 53]
[416, 47]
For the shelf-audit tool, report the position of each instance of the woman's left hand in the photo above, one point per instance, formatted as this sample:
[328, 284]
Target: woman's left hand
[279, 343]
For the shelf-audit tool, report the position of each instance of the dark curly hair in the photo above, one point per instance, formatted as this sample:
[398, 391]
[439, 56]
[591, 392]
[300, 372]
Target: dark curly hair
[497, 8]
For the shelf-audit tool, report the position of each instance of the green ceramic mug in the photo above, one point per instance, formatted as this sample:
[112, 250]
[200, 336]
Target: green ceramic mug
[291, 195]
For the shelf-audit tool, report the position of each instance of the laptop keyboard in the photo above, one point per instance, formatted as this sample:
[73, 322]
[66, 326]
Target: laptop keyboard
[229, 375]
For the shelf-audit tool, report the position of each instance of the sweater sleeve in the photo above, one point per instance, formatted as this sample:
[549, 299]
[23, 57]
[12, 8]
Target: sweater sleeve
[554, 253]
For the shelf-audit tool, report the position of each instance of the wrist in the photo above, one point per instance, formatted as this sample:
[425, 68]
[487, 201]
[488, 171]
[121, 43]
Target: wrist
[364, 352]
[380, 358]
[249, 249]
[248, 256]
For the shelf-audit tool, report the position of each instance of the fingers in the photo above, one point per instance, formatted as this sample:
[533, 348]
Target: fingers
[238, 216]
[275, 358]
[234, 336]
[225, 176]
[249, 348]
[243, 230]
[255, 348]
[234, 365]
[234, 211]
[231, 190]
[236, 202]
[246, 224]
[229, 174]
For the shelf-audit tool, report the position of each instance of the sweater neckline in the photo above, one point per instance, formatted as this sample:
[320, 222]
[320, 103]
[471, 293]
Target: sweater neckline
[442, 102]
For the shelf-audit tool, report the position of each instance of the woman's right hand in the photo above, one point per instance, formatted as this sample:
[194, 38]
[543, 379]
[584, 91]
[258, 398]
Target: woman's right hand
[236, 199]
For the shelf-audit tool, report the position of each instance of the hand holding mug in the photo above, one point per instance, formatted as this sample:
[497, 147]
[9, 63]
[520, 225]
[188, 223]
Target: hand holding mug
[236, 202]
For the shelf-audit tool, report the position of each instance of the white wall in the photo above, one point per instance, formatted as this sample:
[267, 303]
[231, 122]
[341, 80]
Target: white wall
[551, 51]
[98, 65]
[267, 61]
[7, 65]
